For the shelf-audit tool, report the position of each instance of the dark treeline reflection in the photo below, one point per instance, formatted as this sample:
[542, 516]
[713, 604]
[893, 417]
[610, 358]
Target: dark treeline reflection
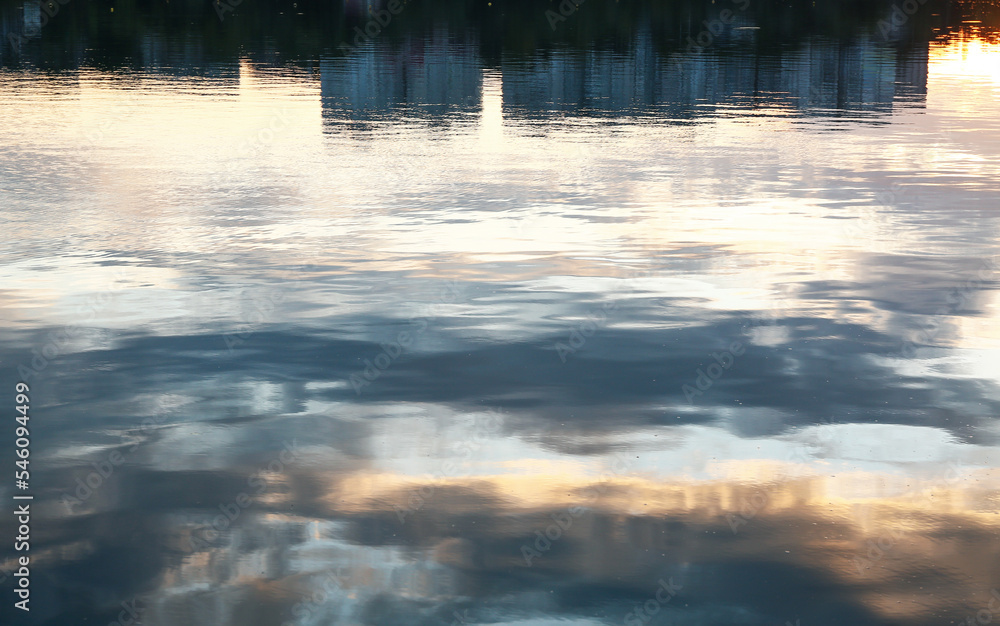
[606, 57]
[662, 58]
[192, 35]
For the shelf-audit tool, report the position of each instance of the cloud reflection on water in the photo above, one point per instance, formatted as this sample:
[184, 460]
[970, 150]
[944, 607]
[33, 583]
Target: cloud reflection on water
[538, 185]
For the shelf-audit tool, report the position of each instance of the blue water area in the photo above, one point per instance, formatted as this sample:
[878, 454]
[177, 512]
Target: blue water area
[511, 313]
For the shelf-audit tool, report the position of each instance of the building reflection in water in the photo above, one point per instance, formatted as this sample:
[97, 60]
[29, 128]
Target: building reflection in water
[428, 77]
[436, 76]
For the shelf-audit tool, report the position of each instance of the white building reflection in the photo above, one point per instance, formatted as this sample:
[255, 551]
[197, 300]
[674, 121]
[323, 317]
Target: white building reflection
[436, 76]
[426, 76]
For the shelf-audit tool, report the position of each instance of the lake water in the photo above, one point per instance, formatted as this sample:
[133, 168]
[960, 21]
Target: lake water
[501, 316]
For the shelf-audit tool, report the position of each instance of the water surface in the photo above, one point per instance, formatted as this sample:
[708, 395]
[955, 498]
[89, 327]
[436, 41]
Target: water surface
[482, 323]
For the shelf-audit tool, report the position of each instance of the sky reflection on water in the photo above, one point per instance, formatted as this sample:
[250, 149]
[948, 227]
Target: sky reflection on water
[465, 339]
